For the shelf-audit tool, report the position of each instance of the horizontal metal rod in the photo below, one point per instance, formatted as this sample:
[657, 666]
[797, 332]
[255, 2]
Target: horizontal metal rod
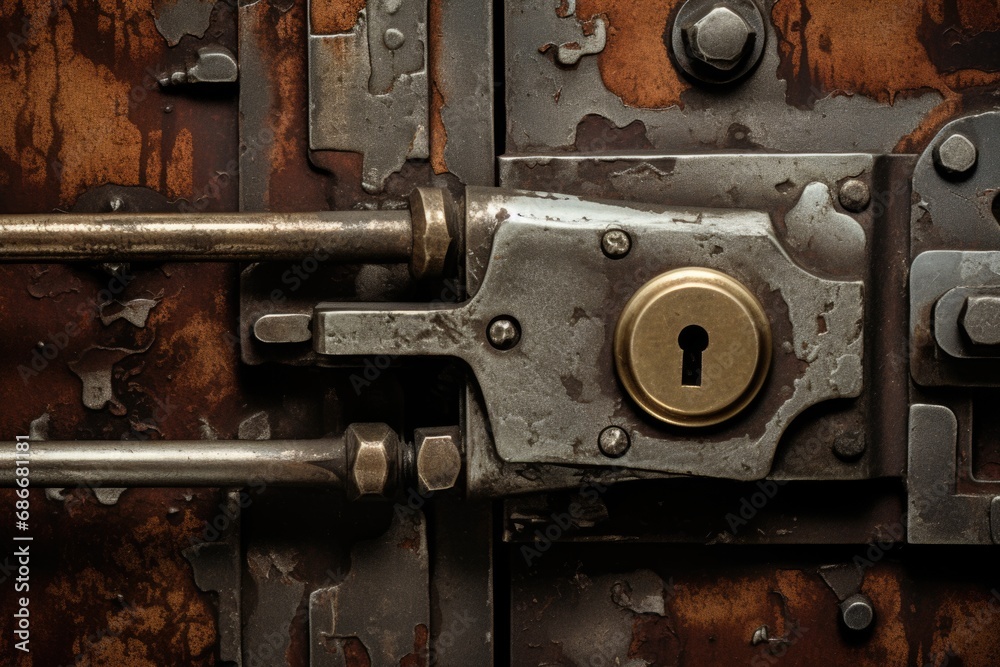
[339, 236]
[167, 463]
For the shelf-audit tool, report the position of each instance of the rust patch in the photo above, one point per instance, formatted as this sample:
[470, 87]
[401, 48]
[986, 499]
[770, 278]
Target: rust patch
[329, 17]
[438, 132]
[419, 656]
[887, 50]
[634, 64]
[355, 653]
[293, 185]
[117, 602]
[181, 173]
[962, 34]
[78, 107]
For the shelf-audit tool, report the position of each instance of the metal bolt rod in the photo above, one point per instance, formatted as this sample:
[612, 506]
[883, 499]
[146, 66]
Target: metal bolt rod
[340, 236]
[167, 463]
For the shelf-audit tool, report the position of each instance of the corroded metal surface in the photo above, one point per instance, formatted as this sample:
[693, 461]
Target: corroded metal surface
[662, 606]
[153, 351]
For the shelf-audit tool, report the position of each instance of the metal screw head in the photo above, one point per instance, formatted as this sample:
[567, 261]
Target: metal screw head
[613, 441]
[372, 460]
[616, 243]
[854, 195]
[857, 612]
[393, 39]
[981, 319]
[439, 460]
[955, 156]
[719, 38]
[849, 446]
[503, 333]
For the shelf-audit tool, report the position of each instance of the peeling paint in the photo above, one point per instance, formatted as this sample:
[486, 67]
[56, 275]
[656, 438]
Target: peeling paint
[177, 18]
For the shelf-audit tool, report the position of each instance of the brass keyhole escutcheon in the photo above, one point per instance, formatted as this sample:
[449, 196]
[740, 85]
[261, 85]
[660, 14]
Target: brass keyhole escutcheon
[693, 347]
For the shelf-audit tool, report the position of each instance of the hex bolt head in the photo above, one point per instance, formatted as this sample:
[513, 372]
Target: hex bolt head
[955, 156]
[503, 332]
[857, 612]
[613, 441]
[981, 319]
[431, 215]
[854, 195]
[616, 243]
[439, 458]
[373, 453]
[720, 38]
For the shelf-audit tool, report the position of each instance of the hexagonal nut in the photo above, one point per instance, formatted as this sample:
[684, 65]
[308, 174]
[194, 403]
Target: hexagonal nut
[719, 38]
[439, 458]
[373, 453]
[430, 210]
[981, 319]
[955, 155]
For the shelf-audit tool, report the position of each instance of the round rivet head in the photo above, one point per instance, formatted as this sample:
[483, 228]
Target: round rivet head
[692, 347]
[503, 333]
[393, 39]
[857, 612]
[616, 243]
[613, 442]
[854, 195]
[849, 446]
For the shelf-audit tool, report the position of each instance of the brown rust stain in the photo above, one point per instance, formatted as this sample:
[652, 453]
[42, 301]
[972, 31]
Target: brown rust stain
[418, 658]
[886, 50]
[634, 64]
[293, 183]
[356, 653]
[439, 83]
[197, 350]
[180, 176]
[129, 602]
[890, 642]
[68, 113]
[329, 17]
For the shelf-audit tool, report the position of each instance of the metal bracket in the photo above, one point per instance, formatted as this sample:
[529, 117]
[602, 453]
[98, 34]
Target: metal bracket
[937, 514]
[368, 90]
[549, 397]
[939, 282]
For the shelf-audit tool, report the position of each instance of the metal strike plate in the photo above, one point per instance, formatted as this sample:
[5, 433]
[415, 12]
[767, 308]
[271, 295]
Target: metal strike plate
[549, 397]
[938, 514]
[368, 90]
[940, 281]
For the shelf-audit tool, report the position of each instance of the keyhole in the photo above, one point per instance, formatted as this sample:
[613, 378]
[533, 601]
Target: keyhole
[693, 340]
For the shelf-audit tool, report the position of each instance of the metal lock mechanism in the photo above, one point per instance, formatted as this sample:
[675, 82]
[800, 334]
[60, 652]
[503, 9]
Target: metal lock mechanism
[693, 347]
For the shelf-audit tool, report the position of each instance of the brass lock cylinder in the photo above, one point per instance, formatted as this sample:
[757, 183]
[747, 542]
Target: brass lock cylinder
[693, 347]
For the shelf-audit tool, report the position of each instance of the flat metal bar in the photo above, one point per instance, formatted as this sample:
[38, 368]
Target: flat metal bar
[339, 236]
[169, 463]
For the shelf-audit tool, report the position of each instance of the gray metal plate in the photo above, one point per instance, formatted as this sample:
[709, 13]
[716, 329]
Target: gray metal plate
[549, 398]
